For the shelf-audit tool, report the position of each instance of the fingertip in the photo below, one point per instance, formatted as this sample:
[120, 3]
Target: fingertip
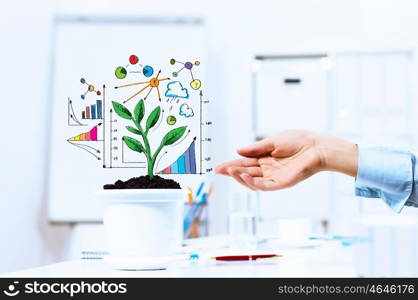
[247, 152]
[241, 150]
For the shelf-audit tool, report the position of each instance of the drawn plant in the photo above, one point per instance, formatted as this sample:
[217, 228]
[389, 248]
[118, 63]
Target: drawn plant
[139, 112]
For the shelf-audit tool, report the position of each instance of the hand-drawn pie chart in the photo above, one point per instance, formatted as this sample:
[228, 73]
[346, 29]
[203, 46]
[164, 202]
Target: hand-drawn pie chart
[133, 59]
[147, 71]
[120, 72]
[171, 120]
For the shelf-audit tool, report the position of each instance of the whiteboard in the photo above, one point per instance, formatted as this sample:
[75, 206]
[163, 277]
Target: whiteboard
[92, 56]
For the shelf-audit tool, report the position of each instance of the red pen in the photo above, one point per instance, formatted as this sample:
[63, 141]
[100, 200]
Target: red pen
[244, 257]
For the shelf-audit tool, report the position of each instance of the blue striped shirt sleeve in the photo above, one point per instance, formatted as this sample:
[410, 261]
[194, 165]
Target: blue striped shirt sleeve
[388, 174]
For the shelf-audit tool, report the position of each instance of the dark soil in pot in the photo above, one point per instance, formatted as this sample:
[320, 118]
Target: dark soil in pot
[144, 182]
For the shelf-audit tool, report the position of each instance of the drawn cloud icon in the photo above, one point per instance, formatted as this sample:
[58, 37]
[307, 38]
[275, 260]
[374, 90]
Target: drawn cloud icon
[186, 111]
[175, 89]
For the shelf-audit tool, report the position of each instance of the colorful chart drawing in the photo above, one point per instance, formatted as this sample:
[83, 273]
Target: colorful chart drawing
[90, 89]
[153, 83]
[72, 119]
[94, 111]
[86, 136]
[122, 72]
[171, 120]
[147, 71]
[185, 164]
[133, 59]
[195, 83]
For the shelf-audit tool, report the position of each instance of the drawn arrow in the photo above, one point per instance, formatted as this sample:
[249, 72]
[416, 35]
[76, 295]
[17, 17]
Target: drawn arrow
[111, 139]
[104, 125]
[84, 145]
[201, 96]
[158, 162]
[81, 147]
[72, 114]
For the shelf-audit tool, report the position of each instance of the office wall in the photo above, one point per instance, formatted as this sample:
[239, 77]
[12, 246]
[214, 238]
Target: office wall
[237, 31]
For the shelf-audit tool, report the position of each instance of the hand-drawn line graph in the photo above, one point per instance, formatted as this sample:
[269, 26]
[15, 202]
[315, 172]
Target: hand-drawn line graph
[71, 117]
[89, 136]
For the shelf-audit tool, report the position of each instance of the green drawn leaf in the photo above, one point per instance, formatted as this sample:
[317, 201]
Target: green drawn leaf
[122, 111]
[153, 118]
[173, 136]
[133, 130]
[133, 144]
[139, 111]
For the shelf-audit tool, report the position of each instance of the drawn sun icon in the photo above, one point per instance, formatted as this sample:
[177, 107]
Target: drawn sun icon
[153, 83]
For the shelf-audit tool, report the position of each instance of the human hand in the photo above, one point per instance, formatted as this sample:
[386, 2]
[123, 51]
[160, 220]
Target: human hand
[283, 160]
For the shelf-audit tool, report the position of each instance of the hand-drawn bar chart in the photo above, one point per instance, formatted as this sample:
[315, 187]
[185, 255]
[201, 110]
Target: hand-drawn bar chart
[94, 111]
[86, 136]
[185, 164]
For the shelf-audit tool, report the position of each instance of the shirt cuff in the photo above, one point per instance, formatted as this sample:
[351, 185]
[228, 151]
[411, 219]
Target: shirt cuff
[385, 173]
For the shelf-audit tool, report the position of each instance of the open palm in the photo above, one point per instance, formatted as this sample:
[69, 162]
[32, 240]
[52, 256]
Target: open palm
[277, 162]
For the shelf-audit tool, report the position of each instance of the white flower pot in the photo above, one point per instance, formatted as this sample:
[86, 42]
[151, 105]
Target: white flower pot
[143, 228]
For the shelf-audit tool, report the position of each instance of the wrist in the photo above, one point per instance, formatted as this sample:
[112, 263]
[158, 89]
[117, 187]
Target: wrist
[337, 155]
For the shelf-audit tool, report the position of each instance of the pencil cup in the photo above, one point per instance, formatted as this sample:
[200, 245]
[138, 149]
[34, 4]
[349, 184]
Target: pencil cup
[143, 228]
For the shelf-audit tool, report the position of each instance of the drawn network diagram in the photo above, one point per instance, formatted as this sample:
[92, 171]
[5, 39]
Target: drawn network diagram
[98, 132]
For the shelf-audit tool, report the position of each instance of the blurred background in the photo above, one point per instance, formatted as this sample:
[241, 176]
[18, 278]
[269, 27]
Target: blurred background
[346, 68]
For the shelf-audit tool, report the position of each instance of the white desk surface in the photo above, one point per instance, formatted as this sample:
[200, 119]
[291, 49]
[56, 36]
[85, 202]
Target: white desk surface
[328, 259]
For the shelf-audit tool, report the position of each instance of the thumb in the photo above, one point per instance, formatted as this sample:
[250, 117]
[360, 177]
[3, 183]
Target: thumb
[260, 148]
